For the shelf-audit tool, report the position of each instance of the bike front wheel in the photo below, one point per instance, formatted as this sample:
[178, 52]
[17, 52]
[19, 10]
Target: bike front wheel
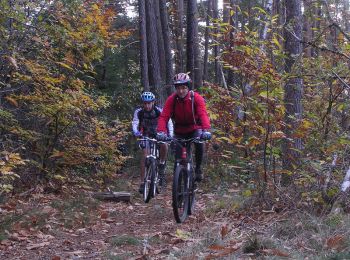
[148, 190]
[180, 194]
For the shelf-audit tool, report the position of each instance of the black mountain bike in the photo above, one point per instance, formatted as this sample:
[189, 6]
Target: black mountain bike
[152, 185]
[184, 185]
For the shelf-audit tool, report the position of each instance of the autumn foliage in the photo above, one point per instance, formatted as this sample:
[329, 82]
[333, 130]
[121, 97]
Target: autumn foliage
[49, 111]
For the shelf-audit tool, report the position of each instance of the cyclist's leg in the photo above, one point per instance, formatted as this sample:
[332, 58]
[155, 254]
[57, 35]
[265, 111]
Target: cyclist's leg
[199, 153]
[142, 167]
[162, 154]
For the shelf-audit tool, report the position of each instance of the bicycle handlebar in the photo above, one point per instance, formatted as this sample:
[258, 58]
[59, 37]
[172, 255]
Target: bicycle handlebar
[146, 138]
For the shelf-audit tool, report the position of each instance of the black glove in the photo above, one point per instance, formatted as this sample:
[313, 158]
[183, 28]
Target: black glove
[161, 136]
[206, 136]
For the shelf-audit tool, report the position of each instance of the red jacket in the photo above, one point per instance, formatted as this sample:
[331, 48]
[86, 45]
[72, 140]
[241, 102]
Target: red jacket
[183, 116]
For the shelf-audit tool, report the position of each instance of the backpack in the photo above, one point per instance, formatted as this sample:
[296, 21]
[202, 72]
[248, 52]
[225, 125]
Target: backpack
[141, 113]
[192, 99]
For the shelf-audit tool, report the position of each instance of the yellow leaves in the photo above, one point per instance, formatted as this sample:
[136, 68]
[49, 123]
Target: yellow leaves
[303, 128]
[64, 65]
[182, 234]
[9, 162]
[12, 101]
[254, 141]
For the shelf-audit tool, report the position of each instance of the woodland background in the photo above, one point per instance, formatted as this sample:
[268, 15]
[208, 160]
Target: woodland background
[274, 75]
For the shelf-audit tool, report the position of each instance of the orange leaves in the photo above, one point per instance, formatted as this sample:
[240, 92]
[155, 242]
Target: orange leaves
[336, 242]
[12, 101]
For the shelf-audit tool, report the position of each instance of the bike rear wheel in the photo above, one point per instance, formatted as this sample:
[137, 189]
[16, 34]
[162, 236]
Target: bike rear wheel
[180, 194]
[149, 180]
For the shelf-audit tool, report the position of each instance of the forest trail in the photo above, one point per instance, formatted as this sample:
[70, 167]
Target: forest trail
[53, 227]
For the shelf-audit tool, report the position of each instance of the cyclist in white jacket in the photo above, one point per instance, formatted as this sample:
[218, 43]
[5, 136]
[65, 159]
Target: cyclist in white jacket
[145, 123]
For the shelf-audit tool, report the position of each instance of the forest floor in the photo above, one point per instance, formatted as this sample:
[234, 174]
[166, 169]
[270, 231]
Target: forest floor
[76, 226]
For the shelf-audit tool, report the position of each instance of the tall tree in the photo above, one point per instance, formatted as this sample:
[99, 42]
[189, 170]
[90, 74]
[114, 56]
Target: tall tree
[206, 39]
[216, 42]
[233, 27]
[293, 87]
[167, 45]
[143, 46]
[179, 55]
[152, 47]
[193, 64]
[160, 41]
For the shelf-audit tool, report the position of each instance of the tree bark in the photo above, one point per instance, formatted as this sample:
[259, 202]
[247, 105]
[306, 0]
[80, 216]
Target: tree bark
[152, 47]
[233, 26]
[143, 46]
[206, 41]
[179, 55]
[193, 64]
[293, 89]
[161, 50]
[216, 46]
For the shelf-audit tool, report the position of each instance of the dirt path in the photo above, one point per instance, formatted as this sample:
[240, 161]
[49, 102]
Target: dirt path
[117, 231]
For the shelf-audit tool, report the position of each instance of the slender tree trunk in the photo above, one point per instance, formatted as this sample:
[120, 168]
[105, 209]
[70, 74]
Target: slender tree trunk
[317, 27]
[346, 16]
[293, 88]
[179, 55]
[234, 25]
[152, 45]
[167, 46]
[160, 41]
[268, 9]
[143, 46]
[216, 46]
[307, 28]
[206, 42]
[226, 11]
[193, 64]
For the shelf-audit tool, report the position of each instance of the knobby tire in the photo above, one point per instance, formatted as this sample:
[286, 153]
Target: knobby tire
[180, 194]
[149, 180]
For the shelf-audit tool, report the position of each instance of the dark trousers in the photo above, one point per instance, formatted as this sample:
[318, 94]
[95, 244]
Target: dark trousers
[199, 147]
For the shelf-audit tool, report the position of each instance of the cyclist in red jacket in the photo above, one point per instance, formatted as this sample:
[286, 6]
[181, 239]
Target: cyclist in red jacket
[189, 114]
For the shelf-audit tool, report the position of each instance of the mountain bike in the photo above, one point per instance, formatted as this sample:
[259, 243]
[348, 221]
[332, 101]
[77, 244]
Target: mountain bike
[152, 182]
[184, 185]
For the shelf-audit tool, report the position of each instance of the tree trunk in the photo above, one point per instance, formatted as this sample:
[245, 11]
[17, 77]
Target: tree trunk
[152, 47]
[216, 45]
[167, 46]
[206, 42]
[143, 46]
[307, 26]
[193, 64]
[179, 55]
[234, 26]
[160, 40]
[293, 89]
[346, 16]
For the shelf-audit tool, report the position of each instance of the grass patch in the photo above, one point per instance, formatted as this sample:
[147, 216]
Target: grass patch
[124, 240]
[76, 212]
[113, 256]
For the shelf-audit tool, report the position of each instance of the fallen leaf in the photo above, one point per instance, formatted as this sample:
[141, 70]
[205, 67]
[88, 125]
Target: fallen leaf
[224, 231]
[216, 247]
[335, 242]
[34, 246]
[275, 252]
[104, 215]
[56, 258]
